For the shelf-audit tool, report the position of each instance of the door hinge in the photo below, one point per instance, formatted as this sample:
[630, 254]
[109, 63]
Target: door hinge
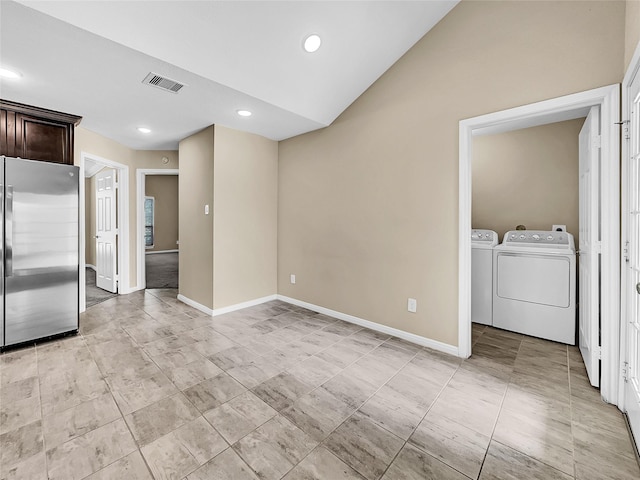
[625, 371]
[625, 252]
[625, 127]
[598, 352]
[597, 246]
[595, 141]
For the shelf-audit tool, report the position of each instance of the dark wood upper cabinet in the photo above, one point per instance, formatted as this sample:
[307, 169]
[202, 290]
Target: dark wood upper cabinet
[36, 133]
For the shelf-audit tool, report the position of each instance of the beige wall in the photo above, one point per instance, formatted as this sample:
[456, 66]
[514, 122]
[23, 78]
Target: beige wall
[245, 200]
[527, 177]
[95, 144]
[196, 229]
[632, 30]
[164, 188]
[228, 256]
[368, 207]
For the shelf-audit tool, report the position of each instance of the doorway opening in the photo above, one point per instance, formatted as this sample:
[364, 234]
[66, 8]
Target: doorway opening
[543, 113]
[90, 166]
[157, 225]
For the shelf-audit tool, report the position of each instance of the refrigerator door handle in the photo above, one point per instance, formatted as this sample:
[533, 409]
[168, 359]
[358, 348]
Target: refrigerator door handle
[9, 232]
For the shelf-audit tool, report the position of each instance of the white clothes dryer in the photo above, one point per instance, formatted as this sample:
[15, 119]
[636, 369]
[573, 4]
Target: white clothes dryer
[482, 243]
[534, 290]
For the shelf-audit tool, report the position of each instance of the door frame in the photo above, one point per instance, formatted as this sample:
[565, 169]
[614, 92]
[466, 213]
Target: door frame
[632, 70]
[123, 224]
[541, 113]
[141, 174]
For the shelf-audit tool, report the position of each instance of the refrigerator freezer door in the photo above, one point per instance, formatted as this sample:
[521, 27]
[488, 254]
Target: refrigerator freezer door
[1, 251]
[41, 247]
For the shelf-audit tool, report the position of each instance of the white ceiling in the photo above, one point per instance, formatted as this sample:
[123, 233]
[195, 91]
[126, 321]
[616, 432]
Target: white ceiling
[89, 58]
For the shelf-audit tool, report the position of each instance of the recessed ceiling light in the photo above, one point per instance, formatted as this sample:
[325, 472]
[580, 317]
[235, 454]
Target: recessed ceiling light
[9, 73]
[244, 113]
[312, 43]
[144, 130]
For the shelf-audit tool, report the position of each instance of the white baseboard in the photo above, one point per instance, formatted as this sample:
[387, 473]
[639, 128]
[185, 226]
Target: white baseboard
[92, 267]
[194, 304]
[240, 306]
[154, 252]
[410, 337]
[230, 308]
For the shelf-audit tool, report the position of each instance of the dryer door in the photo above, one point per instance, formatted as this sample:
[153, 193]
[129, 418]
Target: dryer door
[541, 279]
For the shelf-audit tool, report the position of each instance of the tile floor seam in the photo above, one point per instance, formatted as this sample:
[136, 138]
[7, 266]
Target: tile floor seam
[314, 389]
[44, 441]
[422, 420]
[242, 458]
[504, 396]
[519, 450]
[380, 426]
[321, 443]
[139, 448]
[573, 442]
[144, 459]
[495, 423]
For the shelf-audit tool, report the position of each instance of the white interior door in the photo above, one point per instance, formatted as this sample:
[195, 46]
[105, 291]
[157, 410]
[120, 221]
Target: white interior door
[106, 230]
[631, 198]
[589, 246]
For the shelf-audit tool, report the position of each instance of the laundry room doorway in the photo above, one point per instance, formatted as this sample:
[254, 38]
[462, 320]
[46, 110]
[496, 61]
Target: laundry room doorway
[564, 109]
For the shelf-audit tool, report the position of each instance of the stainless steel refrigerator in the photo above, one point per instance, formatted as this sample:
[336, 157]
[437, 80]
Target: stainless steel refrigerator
[40, 243]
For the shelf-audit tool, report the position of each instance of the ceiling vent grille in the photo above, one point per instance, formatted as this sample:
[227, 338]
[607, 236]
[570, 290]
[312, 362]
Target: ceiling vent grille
[164, 83]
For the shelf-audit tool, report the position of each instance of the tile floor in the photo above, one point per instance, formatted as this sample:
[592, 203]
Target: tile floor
[154, 389]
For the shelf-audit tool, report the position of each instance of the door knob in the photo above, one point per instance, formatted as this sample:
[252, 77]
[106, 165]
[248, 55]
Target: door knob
[638, 288]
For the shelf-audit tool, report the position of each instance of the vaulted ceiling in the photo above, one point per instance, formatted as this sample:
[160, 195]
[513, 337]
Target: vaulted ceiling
[89, 58]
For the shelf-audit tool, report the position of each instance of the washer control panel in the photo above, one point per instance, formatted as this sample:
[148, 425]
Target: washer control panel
[484, 236]
[539, 237]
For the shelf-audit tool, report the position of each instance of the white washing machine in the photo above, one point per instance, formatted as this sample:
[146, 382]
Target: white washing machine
[482, 243]
[534, 288]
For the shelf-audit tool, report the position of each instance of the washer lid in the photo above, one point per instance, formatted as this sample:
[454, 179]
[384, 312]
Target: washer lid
[483, 238]
[542, 239]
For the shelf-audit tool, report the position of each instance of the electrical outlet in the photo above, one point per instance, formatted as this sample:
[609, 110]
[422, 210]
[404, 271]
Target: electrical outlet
[293, 279]
[412, 305]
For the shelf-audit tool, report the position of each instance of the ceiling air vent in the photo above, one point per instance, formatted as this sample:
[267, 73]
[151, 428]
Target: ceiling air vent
[164, 83]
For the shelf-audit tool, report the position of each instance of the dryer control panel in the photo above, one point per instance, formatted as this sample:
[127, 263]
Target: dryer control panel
[540, 238]
[484, 236]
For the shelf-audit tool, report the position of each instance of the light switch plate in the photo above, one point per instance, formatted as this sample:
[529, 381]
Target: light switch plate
[412, 305]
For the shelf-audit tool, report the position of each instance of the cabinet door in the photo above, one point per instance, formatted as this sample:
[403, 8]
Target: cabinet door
[7, 133]
[40, 139]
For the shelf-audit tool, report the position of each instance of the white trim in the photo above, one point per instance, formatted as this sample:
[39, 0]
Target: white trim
[410, 337]
[141, 173]
[240, 306]
[610, 245]
[230, 308]
[161, 251]
[194, 304]
[608, 99]
[128, 290]
[629, 76]
[92, 267]
[123, 225]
